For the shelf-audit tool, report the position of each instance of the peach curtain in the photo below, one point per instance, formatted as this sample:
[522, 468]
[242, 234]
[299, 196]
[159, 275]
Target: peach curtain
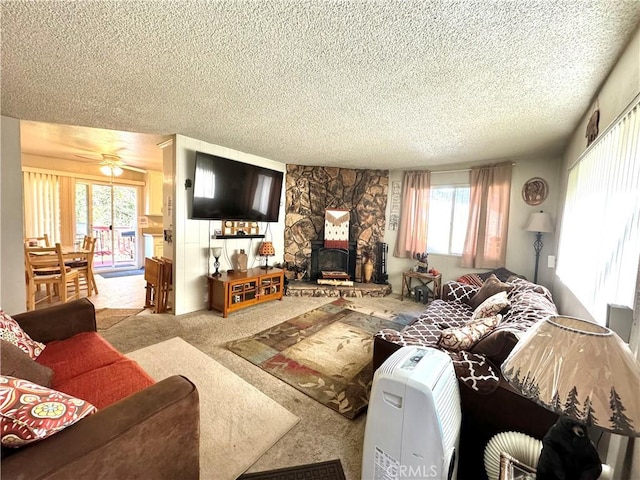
[414, 213]
[485, 245]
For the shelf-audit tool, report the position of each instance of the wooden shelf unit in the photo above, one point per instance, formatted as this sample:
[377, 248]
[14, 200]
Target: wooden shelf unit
[232, 291]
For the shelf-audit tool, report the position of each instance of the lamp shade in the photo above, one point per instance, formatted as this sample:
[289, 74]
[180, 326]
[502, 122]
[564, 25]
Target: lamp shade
[578, 369]
[266, 249]
[111, 170]
[216, 252]
[539, 222]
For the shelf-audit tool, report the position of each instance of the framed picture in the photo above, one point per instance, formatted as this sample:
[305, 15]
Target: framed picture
[535, 191]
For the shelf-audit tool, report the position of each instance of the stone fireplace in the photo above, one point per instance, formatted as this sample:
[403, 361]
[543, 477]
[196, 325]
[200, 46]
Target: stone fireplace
[312, 190]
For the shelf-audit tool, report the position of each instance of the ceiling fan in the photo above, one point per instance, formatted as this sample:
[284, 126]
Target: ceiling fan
[112, 164]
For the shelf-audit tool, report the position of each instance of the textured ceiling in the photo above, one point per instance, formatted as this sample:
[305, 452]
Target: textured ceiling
[384, 84]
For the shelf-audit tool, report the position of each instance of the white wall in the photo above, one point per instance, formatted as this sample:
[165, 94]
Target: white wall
[520, 253]
[12, 286]
[192, 238]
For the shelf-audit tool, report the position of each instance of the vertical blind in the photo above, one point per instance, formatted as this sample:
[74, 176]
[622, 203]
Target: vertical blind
[599, 245]
[41, 205]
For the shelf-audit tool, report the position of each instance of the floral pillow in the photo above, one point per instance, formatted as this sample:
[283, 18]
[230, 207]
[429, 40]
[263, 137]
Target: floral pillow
[491, 306]
[463, 338]
[13, 333]
[30, 412]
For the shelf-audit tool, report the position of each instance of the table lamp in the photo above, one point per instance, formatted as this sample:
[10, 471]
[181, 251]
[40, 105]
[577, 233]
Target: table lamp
[580, 370]
[217, 253]
[266, 250]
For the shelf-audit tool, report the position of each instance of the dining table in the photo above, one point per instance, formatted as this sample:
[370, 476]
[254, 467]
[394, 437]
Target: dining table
[69, 254]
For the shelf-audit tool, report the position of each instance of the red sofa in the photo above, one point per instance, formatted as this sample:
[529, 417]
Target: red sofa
[142, 429]
[88, 367]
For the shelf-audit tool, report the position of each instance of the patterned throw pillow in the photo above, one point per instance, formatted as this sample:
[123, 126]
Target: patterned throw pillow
[491, 306]
[13, 333]
[471, 279]
[459, 292]
[463, 338]
[31, 412]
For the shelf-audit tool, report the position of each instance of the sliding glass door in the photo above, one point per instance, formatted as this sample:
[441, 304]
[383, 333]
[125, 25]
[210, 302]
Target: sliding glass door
[109, 213]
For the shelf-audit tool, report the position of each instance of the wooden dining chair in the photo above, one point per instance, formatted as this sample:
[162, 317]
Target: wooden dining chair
[45, 266]
[42, 241]
[83, 264]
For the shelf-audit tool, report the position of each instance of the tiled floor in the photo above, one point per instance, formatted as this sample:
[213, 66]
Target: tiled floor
[120, 292]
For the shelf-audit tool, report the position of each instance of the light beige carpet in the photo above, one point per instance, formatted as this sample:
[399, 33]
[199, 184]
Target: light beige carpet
[321, 434]
[108, 317]
[238, 423]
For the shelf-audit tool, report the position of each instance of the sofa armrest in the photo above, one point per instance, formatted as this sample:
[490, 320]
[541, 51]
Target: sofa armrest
[60, 321]
[383, 349]
[152, 434]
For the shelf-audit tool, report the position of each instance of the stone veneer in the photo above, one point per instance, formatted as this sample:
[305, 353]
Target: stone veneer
[308, 289]
[312, 190]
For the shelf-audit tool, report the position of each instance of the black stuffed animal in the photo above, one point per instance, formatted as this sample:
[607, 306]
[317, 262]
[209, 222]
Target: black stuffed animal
[568, 453]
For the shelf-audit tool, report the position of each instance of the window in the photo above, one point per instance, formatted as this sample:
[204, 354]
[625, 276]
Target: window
[448, 216]
[600, 233]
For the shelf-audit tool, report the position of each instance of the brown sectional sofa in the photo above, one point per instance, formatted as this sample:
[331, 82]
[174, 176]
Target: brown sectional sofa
[489, 404]
[151, 433]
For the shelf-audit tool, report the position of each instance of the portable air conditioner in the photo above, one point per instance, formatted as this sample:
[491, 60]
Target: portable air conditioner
[414, 416]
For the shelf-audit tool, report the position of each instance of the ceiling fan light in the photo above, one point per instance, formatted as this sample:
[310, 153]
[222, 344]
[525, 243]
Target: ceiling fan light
[109, 170]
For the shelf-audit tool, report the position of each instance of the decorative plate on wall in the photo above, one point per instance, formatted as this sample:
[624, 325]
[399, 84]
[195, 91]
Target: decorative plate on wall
[535, 191]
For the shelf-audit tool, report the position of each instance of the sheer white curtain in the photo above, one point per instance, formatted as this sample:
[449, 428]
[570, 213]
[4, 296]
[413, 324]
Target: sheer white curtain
[414, 213]
[600, 233]
[41, 205]
[485, 245]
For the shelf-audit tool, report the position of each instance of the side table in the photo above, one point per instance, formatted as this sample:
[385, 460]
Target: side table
[434, 282]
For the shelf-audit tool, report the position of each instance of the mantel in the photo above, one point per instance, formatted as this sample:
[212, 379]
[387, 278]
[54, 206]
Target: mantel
[224, 237]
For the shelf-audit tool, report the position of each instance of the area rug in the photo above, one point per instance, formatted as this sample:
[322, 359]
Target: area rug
[238, 423]
[108, 317]
[122, 273]
[331, 470]
[325, 353]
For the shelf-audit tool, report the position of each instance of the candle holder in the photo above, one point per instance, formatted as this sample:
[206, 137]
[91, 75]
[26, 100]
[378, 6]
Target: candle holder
[217, 253]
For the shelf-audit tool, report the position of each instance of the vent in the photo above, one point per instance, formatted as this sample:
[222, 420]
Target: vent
[390, 364]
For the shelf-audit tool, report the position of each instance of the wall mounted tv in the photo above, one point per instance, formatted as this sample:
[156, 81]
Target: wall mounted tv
[225, 189]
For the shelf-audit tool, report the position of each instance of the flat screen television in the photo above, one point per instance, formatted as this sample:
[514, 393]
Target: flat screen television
[225, 189]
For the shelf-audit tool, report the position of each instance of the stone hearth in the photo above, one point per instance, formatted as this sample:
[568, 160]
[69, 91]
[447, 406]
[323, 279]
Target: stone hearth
[312, 289]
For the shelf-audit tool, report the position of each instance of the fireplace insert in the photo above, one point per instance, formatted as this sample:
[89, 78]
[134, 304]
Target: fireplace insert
[332, 259]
